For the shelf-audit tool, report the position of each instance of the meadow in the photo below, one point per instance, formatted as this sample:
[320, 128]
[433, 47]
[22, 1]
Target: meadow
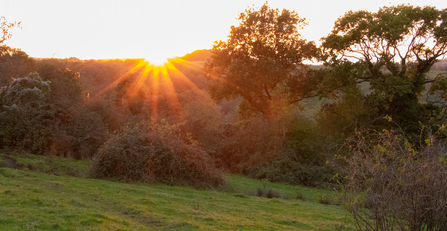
[52, 193]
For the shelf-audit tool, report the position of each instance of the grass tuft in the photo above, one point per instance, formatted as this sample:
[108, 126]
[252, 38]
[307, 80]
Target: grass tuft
[324, 199]
[300, 196]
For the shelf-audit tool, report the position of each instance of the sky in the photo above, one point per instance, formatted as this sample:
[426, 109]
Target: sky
[105, 29]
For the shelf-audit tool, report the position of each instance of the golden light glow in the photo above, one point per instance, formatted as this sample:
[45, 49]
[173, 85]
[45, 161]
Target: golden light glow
[156, 60]
[158, 82]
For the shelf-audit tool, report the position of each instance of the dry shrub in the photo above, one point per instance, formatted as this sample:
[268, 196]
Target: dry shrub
[160, 153]
[392, 186]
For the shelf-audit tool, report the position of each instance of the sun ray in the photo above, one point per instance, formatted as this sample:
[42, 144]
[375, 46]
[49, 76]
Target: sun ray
[154, 101]
[172, 96]
[195, 65]
[126, 75]
[158, 80]
[173, 69]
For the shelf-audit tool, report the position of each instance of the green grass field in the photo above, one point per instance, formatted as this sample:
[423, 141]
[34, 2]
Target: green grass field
[50, 193]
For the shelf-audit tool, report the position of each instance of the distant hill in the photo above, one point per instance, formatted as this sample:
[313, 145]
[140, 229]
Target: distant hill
[441, 65]
[198, 55]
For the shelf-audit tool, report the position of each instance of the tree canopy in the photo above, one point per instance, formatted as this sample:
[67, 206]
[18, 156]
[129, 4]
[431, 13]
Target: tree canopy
[392, 50]
[262, 61]
[14, 63]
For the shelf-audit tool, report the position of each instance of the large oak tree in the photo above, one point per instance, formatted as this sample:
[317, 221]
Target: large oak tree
[262, 61]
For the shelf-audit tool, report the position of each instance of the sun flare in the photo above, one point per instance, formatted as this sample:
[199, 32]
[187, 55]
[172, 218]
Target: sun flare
[156, 60]
[158, 79]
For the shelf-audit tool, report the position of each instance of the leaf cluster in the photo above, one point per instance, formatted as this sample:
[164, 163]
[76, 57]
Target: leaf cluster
[5, 26]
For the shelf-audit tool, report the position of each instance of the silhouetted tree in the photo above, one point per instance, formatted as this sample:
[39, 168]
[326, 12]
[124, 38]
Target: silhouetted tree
[262, 61]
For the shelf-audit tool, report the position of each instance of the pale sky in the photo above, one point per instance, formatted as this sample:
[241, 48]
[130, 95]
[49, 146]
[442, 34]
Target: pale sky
[102, 29]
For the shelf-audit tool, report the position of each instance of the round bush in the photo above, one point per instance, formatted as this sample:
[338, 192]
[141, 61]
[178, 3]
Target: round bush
[155, 155]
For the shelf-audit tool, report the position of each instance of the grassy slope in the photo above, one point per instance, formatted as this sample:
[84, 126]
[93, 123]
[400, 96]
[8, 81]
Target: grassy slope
[38, 200]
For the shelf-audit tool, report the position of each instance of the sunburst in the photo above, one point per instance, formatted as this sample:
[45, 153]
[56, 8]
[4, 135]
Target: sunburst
[155, 76]
[156, 60]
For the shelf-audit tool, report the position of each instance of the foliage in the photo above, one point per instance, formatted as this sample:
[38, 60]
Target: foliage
[203, 122]
[5, 26]
[262, 61]
[27, 91]
[251, 142]
[308, 142]
[286, 170]
[126, 97]
[302, 157]
[85, 132]
[391, 50]
[79, 131]
[39, 116]
[351, 111]
[392, 186]
[14, 64]
[66, 88]
[156, 154]
[26, 117]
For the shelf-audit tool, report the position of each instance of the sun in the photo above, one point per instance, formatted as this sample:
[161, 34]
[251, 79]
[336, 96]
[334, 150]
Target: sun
[156, 58]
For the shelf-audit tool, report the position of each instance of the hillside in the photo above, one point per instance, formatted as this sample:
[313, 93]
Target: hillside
[198, 55]
[51, 197]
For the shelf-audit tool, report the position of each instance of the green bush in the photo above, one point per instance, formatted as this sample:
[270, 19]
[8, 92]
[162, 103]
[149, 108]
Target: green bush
[86, 132]
[160, 153]
[285, 169]
[26, 117]
[302, 158]
[14, 64]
